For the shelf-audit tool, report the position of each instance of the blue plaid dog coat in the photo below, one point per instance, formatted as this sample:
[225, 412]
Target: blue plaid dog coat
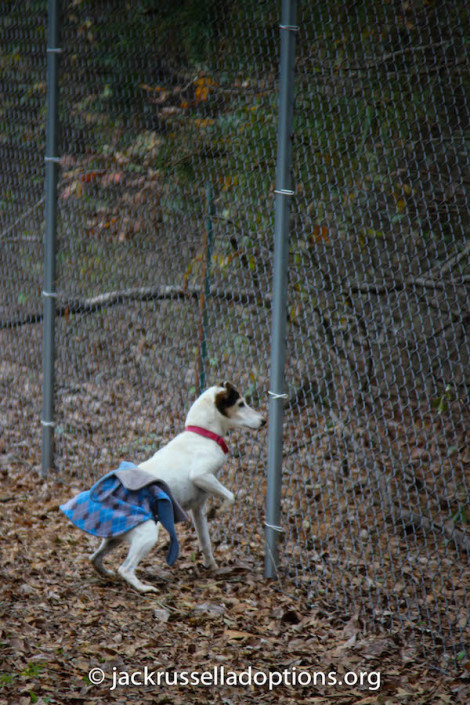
[123, 499]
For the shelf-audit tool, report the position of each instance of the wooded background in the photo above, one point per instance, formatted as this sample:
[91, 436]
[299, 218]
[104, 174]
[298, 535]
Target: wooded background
[168, 116]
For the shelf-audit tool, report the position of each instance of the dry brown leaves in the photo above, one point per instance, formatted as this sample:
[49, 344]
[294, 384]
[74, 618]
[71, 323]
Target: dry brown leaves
[60, 621]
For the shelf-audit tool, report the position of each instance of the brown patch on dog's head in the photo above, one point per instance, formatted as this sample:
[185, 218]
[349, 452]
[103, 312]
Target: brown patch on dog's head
[226, 399]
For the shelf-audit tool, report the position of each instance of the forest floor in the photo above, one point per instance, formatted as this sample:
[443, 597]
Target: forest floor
[227, 637]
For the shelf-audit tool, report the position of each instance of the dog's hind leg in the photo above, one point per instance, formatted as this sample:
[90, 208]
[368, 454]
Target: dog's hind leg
[202, 531]
[96, 559]
[105, 547]
[141, 540]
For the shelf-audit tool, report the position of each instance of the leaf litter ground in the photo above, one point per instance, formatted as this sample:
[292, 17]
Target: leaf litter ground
[59, 620]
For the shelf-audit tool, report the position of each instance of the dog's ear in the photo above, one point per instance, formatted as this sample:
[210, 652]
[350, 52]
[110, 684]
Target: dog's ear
[226, 399]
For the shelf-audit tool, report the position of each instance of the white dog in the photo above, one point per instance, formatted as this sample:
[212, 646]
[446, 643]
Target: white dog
[189, 465]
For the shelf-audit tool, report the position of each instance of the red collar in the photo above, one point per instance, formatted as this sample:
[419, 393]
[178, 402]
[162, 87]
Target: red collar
[208, 434]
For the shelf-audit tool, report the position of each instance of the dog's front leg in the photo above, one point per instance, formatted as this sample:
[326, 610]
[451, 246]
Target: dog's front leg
[202, 531]
[210, 484]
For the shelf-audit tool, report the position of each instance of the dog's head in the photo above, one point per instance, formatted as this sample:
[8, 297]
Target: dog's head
[233, 407]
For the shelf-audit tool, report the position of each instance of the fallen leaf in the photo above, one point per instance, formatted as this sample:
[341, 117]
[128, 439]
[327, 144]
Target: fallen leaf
[234, 634]
[161, 614]
[210, 608]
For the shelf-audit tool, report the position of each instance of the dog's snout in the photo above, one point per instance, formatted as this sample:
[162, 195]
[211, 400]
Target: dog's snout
[263, 422]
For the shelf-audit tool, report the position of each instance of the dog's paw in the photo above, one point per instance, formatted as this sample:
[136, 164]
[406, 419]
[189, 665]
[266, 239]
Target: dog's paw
[146, 588]
[227, 503]
[101, 570]
[134, 581]
[210, 564]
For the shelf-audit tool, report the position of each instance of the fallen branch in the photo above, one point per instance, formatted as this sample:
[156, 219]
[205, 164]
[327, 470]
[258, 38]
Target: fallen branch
[442, 267]
[394, 511]
[172, 292]
[116, 298]
[425, 282]
[412, 519]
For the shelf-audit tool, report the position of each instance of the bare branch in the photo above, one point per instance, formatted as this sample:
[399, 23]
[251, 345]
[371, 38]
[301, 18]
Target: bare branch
[159, 293]
[417, 521]
[22, 217]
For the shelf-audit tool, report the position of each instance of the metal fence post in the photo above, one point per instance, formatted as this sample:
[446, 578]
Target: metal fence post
[49, 292]
[205, 292]
[280, 278]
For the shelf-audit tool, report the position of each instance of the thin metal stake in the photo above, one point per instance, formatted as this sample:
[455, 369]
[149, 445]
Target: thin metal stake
[205, 293]
[283, 193]
[49, 293]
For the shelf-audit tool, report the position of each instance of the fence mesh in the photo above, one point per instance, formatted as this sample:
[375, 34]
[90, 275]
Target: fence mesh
[168, 140]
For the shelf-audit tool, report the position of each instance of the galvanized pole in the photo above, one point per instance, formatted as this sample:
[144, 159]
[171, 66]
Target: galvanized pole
[205, 294]
[207, 284]
[280, 278]
[49, 292]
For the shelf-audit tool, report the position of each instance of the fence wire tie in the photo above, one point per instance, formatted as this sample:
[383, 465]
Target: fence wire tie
[284, 192]
[273, 395]
[54, 50]
[49, 424]
[52, 159]
[50, 294]
[289, 27]
[279, 529]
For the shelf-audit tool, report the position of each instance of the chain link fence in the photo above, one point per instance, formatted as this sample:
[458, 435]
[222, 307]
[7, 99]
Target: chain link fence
[168, 117]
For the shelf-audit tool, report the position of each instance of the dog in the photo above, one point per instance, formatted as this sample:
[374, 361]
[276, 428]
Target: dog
[189, 465]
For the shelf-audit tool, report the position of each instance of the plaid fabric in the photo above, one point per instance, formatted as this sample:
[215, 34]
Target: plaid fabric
[110, 509]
